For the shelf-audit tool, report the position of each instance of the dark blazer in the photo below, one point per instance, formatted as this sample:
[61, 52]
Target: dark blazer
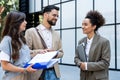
[99, 59]
[34, 43]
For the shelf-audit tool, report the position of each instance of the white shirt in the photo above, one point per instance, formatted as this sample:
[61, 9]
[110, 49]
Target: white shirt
[87, 50]
[47, 36]
[88, 45]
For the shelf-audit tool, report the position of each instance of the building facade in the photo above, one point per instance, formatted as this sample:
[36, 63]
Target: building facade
[71, 14]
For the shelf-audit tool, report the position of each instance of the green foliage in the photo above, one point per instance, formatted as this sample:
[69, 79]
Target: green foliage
[9, 5]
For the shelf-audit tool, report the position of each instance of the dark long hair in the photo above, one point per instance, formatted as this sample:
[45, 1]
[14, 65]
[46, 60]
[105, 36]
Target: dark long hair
[11, 28]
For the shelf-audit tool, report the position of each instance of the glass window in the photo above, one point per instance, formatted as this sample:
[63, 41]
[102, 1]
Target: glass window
[31, 7]
[57, 26]
[37, 5]
[118, 11]
[65, 0]
[34, 6]
[80, 34]
[106, 10]
[68, 42]
[45, 3]
[68, 14]
[108, 32]
[83, 6]
[53, 1]
[118, 46]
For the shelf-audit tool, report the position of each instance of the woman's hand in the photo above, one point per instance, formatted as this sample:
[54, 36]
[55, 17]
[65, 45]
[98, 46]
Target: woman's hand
[30, 69]
[82, 65]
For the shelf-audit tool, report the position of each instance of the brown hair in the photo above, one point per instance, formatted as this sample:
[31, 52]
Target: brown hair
[11, 28]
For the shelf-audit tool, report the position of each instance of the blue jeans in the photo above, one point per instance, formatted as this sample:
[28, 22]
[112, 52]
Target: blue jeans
[50, 75]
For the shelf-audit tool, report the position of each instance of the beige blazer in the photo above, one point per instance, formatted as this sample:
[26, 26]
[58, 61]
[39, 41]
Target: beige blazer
[99, 59]
[34, 43]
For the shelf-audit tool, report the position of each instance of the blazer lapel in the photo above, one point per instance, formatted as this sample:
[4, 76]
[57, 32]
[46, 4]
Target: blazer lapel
[41, 37]
[92, 48]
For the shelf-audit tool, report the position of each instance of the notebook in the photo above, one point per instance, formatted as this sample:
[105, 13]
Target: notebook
[82, 54]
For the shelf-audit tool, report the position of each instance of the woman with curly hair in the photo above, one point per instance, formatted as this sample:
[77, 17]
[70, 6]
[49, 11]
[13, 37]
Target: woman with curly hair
[96, 48]
[14, 53]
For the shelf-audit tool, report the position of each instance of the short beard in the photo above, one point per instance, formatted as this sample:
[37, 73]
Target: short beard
[51, 23]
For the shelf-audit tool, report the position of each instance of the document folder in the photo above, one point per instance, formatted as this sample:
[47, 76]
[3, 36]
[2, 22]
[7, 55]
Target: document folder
[82, 54]
[43, 61]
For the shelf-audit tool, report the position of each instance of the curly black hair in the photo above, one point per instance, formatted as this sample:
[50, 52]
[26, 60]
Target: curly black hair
[96, 18]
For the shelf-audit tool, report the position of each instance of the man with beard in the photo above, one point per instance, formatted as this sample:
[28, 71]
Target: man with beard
[43, 37]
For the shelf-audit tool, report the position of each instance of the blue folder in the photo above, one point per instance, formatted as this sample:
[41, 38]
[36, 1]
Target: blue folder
[43, 61]
[43, 65]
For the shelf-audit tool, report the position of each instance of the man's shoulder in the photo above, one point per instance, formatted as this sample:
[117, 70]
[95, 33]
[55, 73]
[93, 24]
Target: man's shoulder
[32, 29]
[55, 32]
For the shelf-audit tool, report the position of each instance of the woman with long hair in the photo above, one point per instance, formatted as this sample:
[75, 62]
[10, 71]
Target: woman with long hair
[14, 51]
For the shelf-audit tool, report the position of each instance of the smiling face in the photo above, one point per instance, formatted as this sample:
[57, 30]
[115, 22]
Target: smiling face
[52, 17]
[87, 27]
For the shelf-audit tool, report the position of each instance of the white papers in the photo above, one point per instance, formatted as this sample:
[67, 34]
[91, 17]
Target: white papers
[43, 61]
[82, 54]
[42, 58]
[52, 62]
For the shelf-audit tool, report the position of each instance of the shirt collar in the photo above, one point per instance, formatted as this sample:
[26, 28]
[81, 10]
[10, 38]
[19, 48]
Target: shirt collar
[42, 27]
[90, 40]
